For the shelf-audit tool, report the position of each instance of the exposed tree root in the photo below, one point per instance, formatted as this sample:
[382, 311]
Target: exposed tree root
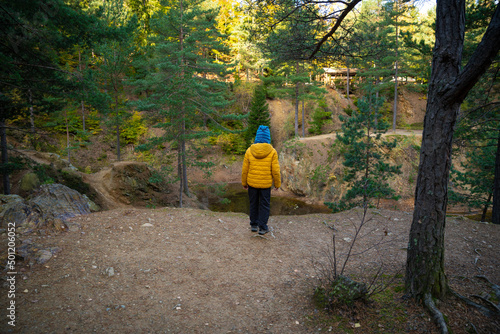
[471, 325]
[435, 313]
[491, 309]
[495, 287]
[481, 308]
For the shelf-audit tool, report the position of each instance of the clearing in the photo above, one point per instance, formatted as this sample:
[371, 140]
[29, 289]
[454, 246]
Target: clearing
[173, 270]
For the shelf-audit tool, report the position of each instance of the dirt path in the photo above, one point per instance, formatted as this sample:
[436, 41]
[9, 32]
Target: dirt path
[195, 271]
[388, 133]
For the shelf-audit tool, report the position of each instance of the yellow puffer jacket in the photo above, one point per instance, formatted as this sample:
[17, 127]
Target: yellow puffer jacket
[261, 167]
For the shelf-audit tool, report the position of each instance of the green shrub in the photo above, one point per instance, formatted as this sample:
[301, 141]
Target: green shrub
[320, 117]
[133, 129]
[348, 111]
[232, 143]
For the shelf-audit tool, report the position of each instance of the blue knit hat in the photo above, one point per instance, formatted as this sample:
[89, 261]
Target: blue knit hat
[263, 135]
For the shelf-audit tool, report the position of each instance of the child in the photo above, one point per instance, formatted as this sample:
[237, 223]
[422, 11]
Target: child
[260, 169]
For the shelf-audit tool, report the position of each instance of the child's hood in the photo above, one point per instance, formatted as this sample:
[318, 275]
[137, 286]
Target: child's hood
[261, 150]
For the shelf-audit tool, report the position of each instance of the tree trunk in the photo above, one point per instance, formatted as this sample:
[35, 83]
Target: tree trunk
[32, 113]
[184, 163]
[348, 82]
[297, 91]
[486, 206]
[303, 120]
[83, 115]
[395, 106]
[68, 144]
[179, 173]
[425, 277]
[376, 99]
[183, 173]
[5, 158]
[118, 150]
[81, 72]
[496, 187]
[32, 120]
[297, 109]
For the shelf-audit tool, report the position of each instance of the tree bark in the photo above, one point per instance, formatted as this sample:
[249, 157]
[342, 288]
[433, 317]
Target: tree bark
[118, 149]
[348, 83]
[82, 102]
[297, 102]
[297, 109]
[447, 89]
[32, 120]
[5, 158]
[496, 187]
[68, 143]
[486, 206]
[184, 163]
[395, 106]
[303, 120]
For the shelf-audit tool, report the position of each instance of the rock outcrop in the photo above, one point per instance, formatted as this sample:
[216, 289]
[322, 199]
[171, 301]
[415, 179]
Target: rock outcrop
[312, 167]
[48, 210]
[308, 170]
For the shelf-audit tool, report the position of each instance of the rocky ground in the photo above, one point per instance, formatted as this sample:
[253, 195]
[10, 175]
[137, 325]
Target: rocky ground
[171, 270]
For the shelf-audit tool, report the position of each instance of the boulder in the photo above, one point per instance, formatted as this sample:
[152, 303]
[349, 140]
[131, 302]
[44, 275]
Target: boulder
[33, 253]
[62, 201]
[48, 210]
[8, 200]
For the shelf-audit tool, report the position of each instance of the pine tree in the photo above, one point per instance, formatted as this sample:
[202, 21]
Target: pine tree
[185, 83]
[36, 35]
[367, 153]
[259, 113]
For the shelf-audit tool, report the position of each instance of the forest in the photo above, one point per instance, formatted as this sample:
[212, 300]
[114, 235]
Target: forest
[169, 78]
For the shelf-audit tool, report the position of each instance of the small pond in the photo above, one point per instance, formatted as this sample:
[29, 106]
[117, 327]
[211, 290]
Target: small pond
[232, 197]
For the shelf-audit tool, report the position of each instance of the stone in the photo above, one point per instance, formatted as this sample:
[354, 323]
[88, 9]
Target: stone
[52, 206]
[43, 256]
[110, 271]
[93, 207]
[61, 200]
[8, 200]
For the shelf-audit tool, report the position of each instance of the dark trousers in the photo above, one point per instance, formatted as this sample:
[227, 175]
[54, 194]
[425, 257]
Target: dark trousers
[260, 204]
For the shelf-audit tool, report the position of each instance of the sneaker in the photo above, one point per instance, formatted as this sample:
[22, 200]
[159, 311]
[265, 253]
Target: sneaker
[262, 232]
[254, 228]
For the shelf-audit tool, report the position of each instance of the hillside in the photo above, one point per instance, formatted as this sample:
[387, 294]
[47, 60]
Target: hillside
[194, 271]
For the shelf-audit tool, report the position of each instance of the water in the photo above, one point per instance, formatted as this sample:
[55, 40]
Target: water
[235, 199]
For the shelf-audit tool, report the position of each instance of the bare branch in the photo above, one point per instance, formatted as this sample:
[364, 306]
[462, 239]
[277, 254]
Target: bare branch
[342, 16]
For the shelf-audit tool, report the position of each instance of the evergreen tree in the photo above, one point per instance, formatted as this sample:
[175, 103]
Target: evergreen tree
[259, 113]
[366, 156]
[473, 184]
[320, 116]
[477, 129]
[35, 37]
[293, 80]
[288, 44]
[185, 83]
[113, 57]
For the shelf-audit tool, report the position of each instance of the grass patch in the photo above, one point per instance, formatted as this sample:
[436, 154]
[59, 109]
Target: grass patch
[385, 312]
